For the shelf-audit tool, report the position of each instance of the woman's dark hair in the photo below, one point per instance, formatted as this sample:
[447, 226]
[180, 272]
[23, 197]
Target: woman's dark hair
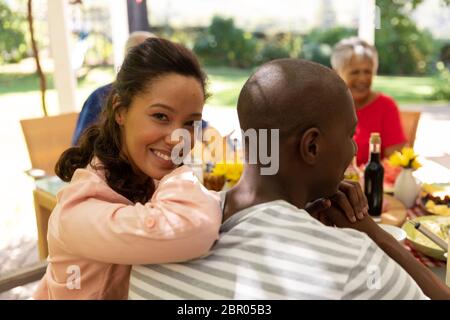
[143, 64]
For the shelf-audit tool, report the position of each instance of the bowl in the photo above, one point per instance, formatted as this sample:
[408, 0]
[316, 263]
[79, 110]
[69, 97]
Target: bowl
[398, 233]
[422, 243]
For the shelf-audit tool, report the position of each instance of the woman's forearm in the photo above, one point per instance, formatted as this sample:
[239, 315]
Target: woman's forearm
[430, 284]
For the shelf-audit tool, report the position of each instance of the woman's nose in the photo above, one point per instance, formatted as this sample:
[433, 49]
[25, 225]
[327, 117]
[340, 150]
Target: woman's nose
[176, 136]
[172, 139]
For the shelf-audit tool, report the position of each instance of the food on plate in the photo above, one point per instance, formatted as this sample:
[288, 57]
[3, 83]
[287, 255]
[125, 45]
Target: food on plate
[436, 198]
[438, 227]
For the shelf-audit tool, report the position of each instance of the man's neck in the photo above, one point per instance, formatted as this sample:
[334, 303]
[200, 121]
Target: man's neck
[254, 188]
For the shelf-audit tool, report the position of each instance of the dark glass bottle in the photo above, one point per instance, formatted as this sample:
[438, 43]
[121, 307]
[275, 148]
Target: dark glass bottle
[373, 176]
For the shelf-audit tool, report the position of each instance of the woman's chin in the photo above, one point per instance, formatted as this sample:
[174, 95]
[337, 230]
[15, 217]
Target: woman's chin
[359, 96]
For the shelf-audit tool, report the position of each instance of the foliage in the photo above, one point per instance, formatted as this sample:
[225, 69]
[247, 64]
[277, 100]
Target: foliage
[403, 48]
[318, 44]
[100, 50]
[12, 30]
[442, 86]
[223, 43]
[287, 45]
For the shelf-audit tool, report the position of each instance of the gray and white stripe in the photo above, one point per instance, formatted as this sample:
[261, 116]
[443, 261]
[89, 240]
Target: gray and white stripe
[276, 251]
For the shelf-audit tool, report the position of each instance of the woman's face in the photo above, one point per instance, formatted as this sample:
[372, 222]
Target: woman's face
[172, 102]
[358, 74]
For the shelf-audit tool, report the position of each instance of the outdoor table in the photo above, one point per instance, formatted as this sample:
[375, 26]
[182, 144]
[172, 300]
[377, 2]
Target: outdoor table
[44, 201]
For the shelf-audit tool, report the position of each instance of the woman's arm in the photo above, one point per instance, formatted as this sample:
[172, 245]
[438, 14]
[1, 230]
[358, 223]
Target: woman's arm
[430, 284]
[180, 222]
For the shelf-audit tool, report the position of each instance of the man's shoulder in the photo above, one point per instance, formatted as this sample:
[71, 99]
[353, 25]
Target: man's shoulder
[102, 91]
[281, 216]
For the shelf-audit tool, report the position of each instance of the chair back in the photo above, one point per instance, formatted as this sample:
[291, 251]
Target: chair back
[47, 138]
[410, 121]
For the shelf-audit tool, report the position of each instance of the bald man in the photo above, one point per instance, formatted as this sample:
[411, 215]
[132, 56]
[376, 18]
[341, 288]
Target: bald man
[269, 246]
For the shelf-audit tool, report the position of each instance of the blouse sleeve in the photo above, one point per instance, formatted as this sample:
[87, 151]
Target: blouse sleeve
[180, 222]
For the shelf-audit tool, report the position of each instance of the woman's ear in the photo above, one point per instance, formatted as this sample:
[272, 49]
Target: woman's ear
[118, 111]
[309, 145]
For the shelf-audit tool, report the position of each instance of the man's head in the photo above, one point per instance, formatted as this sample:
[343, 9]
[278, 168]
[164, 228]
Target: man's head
[313, 110]
[137, 37]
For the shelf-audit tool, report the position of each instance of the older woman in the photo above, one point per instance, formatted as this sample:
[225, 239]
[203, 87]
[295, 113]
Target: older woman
[356, 62]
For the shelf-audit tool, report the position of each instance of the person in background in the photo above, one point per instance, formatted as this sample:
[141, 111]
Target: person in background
[356, 62]
[128, 202]
[93, 105]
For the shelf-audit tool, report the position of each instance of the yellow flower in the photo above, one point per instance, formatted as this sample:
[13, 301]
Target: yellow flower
[408, 153]
[219, 169]
[234, 172]
[231, 171]
[395, 159]
[416, 164]
[407, 158]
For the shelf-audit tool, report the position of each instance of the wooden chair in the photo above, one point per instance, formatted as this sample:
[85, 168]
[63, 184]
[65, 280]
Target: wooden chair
[410, 121]
[47, 138]
[22, 276]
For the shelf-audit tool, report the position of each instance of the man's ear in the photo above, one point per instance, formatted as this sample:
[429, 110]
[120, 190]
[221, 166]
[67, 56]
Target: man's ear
[309, 145]
[118, 110]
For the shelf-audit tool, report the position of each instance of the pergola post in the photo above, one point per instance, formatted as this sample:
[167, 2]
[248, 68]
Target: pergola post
[64, 77]
[119, 30]
[368, 16]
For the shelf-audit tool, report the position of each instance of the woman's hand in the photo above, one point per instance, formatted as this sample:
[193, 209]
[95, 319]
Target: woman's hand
[349, 199]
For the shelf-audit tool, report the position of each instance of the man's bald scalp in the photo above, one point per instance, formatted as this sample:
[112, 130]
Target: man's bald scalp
[290, 93]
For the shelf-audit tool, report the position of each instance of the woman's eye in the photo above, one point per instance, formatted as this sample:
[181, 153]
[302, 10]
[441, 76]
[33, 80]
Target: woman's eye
[160, 116]
[189, 124]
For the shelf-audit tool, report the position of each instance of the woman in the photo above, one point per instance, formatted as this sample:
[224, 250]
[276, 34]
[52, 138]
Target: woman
[356, 62]
[127, 201]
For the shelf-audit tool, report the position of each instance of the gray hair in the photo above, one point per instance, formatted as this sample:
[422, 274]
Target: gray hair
[344, 50]
[137, 37]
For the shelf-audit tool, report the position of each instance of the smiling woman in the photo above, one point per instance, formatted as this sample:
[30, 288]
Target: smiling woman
[173, 101]
[111, 215]
[356, 62]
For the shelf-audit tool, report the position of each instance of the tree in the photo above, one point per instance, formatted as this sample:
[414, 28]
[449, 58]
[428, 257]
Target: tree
[318, 44]
[12, 29]
[42, 81]
[225, 44]
[403, 48]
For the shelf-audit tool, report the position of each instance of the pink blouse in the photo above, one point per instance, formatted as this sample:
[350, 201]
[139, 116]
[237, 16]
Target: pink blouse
[96, 234]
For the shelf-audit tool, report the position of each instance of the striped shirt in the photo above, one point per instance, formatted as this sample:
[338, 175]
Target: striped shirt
[277, 251]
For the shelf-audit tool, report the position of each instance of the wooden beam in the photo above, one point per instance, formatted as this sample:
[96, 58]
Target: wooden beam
[22, 276]
[368, 20]
[119, 25]
[64, 76]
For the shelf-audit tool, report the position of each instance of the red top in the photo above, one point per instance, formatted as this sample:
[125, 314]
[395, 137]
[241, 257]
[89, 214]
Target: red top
[381, 115]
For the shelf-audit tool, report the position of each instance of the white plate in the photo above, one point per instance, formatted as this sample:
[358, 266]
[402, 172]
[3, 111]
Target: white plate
[398, 233]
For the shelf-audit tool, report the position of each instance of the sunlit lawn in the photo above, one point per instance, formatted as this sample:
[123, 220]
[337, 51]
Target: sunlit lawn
[224, 86]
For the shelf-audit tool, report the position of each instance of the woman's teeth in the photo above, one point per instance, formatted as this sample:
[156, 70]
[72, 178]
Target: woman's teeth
[161, 155]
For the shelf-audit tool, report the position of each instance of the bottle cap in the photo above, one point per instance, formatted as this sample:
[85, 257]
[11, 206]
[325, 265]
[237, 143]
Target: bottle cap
[375, 137]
